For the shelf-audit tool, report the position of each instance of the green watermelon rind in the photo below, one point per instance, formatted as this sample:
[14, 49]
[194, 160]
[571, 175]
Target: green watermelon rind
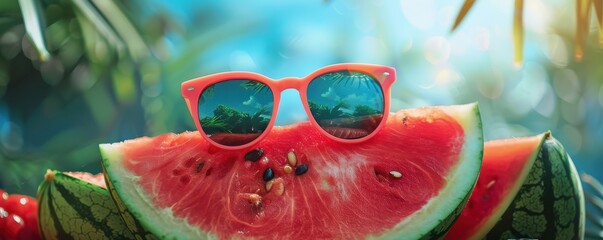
[504, 204]
[130, 221]
[138, 200]
[94, 215]
[512, 223]
[434, 219]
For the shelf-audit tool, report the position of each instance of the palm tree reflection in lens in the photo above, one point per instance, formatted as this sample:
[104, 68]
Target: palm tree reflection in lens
[346, 104]
[239, 118]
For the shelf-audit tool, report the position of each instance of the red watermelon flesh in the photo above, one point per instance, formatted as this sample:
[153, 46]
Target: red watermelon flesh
[181, 186]
[96, 179]
[505, 167]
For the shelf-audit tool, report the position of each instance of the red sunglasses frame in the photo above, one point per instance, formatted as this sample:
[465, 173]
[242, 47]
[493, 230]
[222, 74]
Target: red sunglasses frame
[192, 90]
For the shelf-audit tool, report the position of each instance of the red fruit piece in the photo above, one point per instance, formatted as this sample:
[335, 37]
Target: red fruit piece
[31, 230]
[3, 197]
[11, 225]
[26, 208]
[21, 205]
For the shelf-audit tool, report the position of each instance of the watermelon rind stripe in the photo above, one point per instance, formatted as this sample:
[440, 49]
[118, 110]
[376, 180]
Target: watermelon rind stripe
[74, 209]
[550, 203]
[49, 228]
[433, 220]
[506, 202]
[85, 211]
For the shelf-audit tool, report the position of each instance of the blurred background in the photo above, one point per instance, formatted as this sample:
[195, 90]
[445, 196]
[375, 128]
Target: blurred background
[111, 70]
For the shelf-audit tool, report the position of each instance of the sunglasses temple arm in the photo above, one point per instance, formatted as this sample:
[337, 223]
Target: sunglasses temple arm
[188, 104]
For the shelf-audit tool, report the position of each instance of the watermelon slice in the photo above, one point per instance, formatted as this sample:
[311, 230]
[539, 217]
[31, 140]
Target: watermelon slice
[409, 181]
[528, 188]
[506, 165]
[77, 206]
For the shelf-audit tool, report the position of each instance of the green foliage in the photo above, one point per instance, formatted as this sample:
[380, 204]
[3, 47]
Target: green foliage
[321, 111]
[364, 110]
[98, 83]
[227, 119]
[257, 87]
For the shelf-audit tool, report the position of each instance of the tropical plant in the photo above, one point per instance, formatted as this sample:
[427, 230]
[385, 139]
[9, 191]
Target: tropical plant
[594, 212]
[230, 120]
[58, 57]
[323, 112]
[256, 86]
[364, 110]
[74, 74]
[583, 10]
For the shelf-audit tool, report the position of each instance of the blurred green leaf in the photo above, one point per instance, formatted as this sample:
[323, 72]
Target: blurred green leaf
[593, 182]
[33, 18]
[123, 83]
[200, 44]
[102, 111]
[137, 47]
[57, 143]
[98, 22]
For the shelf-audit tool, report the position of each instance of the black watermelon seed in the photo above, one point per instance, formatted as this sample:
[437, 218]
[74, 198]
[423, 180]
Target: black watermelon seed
[254, 155]
[301, 169]
[268, 174]
[200, 167]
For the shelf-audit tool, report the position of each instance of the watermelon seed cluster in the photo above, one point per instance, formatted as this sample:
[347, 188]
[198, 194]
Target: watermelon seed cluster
[273, 184]
[292, 162]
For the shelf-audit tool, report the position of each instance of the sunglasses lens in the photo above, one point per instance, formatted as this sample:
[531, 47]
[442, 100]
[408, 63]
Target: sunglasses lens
[235, 112]
[346, 104]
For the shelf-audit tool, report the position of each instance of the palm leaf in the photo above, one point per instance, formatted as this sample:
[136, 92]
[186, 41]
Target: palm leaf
[518, 32]
[462, 13]
[181, 67]
[582, 18]
[598, 5]
[597, 203]
[591, 234]
[110, 10]
[256, 86]
[99, 23]
[595, 219]
[34, 24]
[594, 183]
[214, 122]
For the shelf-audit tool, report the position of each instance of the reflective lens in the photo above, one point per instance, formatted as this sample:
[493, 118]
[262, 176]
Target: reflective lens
[346, 104]
[235, 112]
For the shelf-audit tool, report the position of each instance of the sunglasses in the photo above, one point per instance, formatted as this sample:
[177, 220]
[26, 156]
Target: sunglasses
[347, 102]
